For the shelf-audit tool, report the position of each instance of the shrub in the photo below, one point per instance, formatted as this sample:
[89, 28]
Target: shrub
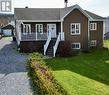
[65, 50]
[42, 76]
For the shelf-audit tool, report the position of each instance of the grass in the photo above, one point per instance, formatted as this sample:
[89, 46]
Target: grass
[106, 43]
[84, 74]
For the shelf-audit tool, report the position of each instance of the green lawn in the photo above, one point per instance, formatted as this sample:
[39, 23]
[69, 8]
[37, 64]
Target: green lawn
[85, 74]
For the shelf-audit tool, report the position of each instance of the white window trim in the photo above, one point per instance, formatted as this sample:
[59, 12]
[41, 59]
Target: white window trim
[75, 28]
[93, 24]
[93, 43]
[75, 44]
[42, 28]
[26, 32]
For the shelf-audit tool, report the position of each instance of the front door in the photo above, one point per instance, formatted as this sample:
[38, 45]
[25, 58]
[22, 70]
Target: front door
[52, 28]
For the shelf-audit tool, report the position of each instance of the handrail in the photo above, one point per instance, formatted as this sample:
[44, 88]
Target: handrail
[47, 43]
[56, 44]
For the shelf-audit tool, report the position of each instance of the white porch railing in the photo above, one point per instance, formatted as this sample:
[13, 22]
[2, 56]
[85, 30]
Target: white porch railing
[47, 43]
[33, 36]
[56, 44]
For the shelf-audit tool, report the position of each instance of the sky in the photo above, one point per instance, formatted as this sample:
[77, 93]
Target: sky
[100, 7]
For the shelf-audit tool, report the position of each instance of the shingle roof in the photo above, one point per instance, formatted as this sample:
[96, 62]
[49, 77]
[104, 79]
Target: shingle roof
[37, 13]
[94, 16]
[46, 13]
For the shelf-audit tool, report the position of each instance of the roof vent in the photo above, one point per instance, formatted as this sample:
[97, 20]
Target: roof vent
[65, 1]
[26, 7]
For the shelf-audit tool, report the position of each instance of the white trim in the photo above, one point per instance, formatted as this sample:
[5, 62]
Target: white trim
[88, 34]
[76, 44]
[26, 32]
[97, 20]
[94, 26]
[78, 7]
[39, 20]
[93, 43]
[52, 36]
[75, 28]
[37, 25]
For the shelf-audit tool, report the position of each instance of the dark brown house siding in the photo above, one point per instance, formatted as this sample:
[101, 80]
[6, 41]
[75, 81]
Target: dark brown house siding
[76, 17]
[97, 34]
[32, 46]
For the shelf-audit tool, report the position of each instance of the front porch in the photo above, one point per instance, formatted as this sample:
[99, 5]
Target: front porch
[34, 36]
[44, 32]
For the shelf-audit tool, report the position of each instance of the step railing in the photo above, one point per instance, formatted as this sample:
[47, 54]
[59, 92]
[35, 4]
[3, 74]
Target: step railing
[56, 44]
[47, 43]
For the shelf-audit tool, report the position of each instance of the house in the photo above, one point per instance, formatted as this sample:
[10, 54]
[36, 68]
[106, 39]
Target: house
[43, 29]
[106, 26]
[5, 20]
[8, 30]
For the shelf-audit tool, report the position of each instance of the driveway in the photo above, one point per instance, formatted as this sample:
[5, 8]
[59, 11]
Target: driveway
[13, 74]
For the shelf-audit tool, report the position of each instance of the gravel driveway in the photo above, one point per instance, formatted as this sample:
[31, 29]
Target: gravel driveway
[13, 74]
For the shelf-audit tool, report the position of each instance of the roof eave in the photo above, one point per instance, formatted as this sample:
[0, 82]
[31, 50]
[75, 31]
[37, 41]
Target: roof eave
[78, 7]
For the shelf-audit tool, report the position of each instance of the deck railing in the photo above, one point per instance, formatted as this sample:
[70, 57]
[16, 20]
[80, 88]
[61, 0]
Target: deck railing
[56, 44]
[33, 36]
[47, 43]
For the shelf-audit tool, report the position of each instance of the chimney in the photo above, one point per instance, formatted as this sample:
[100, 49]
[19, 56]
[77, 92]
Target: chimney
[26, 7]
[65, 1]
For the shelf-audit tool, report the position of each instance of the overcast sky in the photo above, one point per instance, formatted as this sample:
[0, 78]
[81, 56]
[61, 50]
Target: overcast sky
[100, 7]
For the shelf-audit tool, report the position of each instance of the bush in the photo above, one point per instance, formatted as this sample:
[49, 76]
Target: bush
[65, 50]
[42, 76]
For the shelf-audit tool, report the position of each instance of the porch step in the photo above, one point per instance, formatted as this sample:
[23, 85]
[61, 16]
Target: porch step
[50, 47]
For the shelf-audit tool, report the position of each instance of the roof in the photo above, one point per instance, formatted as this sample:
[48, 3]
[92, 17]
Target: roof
[9, 26]
[49, 13]
[94, 16]
[37, 13]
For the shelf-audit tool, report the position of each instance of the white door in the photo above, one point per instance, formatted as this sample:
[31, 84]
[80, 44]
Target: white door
[52, 28]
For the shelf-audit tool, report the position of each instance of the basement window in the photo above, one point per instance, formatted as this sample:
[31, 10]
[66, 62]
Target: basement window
[75, 45]
[93, 43]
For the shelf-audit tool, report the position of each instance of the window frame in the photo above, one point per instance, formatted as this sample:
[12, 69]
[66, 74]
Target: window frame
[93, 26]
[4, 6]
[75, 30]
[26, 29]
[37, 25]
[93, 43]
[75, 46]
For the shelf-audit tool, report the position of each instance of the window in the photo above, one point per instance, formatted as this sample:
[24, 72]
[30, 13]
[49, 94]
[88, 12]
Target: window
[39, 28]
[93, 26]
[75, 28]
[93, 43]
[75, 45]
[26, 29]
[6, 6]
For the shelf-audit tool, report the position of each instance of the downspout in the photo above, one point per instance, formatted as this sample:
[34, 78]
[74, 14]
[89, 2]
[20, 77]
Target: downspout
[88, 34]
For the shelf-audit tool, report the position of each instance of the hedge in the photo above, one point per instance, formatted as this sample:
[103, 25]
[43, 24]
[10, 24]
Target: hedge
[42, 76]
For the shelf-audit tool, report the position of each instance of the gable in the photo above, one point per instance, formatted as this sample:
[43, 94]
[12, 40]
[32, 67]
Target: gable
[76, 15]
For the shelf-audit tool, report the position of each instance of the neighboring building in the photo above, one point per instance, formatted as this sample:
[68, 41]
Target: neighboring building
[42, 29]
[6, 19]
[106, 21]
[106, 28]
